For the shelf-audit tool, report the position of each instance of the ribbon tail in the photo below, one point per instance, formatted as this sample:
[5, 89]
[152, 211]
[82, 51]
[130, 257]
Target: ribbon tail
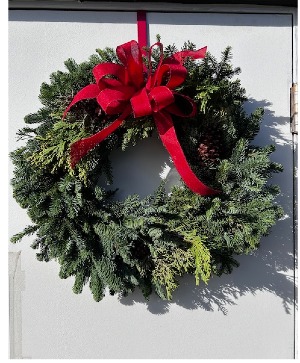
[179, 57]
[90, 91]
[195, 54]
[169, 139]
[82, 147]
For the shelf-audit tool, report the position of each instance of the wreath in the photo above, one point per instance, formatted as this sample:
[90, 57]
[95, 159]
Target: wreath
[194, 104]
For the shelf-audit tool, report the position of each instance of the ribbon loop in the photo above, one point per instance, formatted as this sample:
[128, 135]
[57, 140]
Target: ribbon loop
[103, 71]
[171, 75]
[160, 98]
[90, 91]
[112, 101]
[140, 104]
[131, 57]
[182, 107]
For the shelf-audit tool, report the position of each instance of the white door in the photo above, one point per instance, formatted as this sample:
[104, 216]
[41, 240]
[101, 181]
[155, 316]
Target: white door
[248, 314]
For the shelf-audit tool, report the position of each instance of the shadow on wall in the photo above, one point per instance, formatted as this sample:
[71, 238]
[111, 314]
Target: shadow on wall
[271, 268]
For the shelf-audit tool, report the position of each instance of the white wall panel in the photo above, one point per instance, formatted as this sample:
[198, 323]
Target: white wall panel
[248, 314]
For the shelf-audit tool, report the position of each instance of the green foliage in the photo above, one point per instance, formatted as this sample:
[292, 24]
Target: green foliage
[137, 130]
[54, 146]
[117, 246]
[201, 255]
[168, 265]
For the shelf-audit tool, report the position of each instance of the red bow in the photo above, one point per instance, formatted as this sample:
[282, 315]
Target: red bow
[123, 90]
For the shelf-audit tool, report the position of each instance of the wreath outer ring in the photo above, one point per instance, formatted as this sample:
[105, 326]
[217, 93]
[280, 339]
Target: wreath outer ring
[115, 245]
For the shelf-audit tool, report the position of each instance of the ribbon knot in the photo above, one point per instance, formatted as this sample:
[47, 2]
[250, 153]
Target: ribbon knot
[125, 89]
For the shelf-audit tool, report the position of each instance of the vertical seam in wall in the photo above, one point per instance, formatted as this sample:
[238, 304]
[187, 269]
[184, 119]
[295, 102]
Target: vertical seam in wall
[295, 243]
[16, 285]
[295, 193]
[295, 246]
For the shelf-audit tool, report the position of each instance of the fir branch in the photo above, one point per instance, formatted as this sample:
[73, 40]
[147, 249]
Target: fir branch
[28, 231]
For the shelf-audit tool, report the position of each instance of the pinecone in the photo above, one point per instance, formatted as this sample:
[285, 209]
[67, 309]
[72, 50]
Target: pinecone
[209, 149]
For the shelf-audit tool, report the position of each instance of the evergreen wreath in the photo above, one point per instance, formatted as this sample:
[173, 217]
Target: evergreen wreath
[117, 245]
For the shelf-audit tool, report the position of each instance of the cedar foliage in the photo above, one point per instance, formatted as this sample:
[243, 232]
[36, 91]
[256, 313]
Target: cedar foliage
[147, 243]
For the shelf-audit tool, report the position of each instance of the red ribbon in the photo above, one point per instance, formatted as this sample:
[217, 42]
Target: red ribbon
[124, 90]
